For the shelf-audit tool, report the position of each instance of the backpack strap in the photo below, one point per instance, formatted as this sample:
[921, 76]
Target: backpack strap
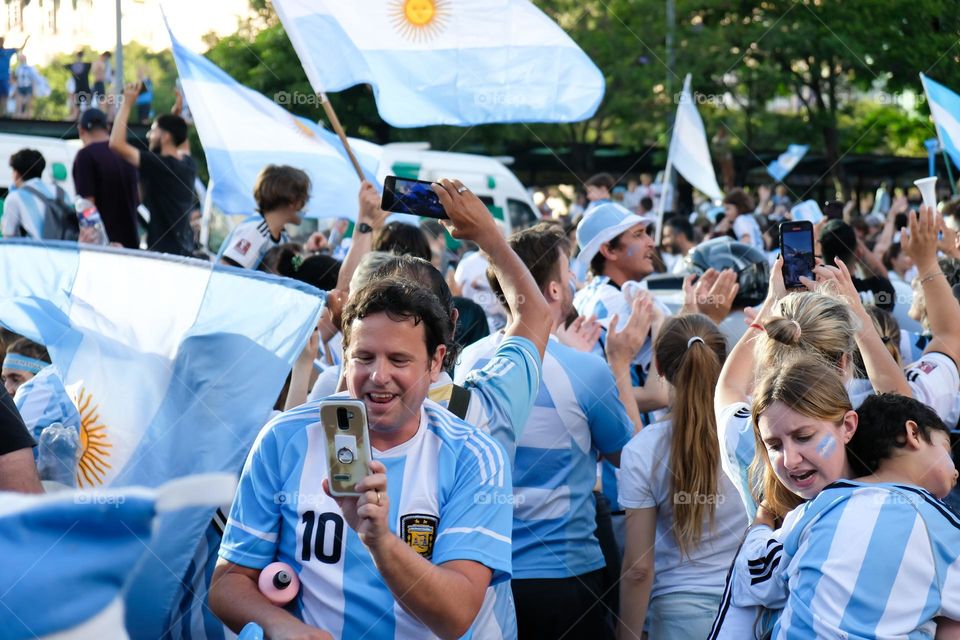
[459, 401]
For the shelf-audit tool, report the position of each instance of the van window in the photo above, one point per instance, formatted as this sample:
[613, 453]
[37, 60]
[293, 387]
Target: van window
[521, 215]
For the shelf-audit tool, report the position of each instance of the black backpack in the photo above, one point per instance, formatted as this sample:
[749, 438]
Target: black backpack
[59, 219]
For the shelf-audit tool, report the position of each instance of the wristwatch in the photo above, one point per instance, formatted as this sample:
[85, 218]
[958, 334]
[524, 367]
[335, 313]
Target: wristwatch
[363, 227]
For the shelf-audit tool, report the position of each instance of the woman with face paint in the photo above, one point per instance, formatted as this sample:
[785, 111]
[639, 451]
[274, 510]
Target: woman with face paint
[828, 326]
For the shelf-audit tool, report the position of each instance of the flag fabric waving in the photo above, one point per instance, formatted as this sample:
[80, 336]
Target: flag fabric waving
[68, 555]
[173, 364]
[787, 161]
[945, 108]
[242, 131]
[689, 152]
[453, 62]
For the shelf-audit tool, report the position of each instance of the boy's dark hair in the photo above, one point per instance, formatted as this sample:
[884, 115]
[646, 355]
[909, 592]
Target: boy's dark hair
[739, 199]
[679, 224]
[403, 239]
[604, 180]
[174, 125]
[426, 275]
[539, 247]
[837, 240]
[646, 203]
[280, 186]
[29, 163]
[881, 429]
[319, 270]
[401, 300]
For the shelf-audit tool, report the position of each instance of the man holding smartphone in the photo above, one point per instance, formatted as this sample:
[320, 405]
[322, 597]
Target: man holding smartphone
[430, 529]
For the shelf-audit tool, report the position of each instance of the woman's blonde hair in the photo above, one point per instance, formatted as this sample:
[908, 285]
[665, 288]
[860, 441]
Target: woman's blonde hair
[808, 385]
[690, 351]
[808, 322]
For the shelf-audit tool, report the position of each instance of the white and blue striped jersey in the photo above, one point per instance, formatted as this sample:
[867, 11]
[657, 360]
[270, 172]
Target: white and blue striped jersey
[601, 299]
[933, 379]
[249, 242]
[23, 212]
[450, 491]
[502, 389]
[869, 561]
[576, 415]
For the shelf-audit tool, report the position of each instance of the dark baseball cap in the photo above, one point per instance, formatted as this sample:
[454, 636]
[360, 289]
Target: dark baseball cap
[92, 119]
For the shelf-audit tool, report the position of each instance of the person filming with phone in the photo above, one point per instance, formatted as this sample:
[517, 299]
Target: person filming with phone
[410, 548]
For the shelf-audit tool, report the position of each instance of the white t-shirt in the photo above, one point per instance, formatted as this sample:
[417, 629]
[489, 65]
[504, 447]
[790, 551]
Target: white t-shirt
[645, 483]
[471, 276]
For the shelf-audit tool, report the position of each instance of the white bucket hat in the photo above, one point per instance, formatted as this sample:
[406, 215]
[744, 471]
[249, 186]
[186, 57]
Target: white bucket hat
[602, 224]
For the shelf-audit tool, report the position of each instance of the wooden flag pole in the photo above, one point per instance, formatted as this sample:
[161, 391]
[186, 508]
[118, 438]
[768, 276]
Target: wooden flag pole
[338, 128]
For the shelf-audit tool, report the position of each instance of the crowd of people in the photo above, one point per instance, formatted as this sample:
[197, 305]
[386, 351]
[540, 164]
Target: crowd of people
[561, 450]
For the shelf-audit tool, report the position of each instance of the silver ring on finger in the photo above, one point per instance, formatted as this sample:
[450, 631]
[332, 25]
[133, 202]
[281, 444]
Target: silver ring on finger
[379, 500]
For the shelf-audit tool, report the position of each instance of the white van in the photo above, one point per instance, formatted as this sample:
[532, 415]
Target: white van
[487, 177]
[59, 155]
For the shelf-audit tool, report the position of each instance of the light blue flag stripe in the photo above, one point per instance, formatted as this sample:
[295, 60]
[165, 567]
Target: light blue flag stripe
[536, 75]
[242, 131]
[182, 385]
[945, 108]
[787, 161]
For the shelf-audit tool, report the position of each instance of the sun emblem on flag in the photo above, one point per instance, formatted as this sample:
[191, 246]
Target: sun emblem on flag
[303, 129]
[94, 447]
[420, 20]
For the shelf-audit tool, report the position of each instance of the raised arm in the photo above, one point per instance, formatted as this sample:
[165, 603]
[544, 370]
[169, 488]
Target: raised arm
[118, 136]
[470, 220]
[884, 373]
[737, 375]
[370, 214]
[943, 310]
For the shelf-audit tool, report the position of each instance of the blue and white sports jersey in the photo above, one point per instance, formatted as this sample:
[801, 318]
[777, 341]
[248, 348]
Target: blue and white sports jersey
[23, 212]
[249, 242]
[450, 491]
[577, 413]
[869, 561]
[603, 300]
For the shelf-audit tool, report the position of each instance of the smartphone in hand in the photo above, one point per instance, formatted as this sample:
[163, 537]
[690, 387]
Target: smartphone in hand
[346, 439]
[796, 247]
[416, 197]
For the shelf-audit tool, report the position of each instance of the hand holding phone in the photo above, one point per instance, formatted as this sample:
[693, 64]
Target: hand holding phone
[796, 247]
[346, 438]
[415, 197]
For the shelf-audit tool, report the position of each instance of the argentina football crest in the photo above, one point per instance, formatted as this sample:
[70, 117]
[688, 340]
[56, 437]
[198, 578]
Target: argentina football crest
[419, 531]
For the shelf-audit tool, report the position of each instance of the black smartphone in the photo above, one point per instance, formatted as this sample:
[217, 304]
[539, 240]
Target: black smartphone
[833, 210]
[403, 195]
[796, 247]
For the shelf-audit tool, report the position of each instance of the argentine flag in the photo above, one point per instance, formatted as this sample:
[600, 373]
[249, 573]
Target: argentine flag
[453, 62]
[173, 365]
[689, 153]
[243, 131]
[787, 161]
[945, 108]
[67, 556]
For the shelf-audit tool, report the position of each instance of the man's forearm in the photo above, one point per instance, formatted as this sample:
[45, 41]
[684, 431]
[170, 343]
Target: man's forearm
[438, 597]
[236, 600]
[360, 245]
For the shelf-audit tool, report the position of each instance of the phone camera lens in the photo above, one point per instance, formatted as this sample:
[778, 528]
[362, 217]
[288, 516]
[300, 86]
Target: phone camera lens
[343, 419]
